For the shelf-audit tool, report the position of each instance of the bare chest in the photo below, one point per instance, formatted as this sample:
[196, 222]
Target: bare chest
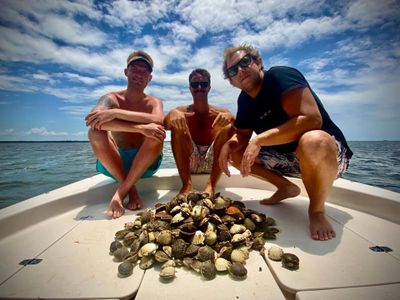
[201, 129]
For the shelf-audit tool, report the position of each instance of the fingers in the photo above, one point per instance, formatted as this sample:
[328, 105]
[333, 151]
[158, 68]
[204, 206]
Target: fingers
[223, 163]
[246, 164]
[221, 120]
[179, 123]
[94, 120]
[215, 121]
[158, 133]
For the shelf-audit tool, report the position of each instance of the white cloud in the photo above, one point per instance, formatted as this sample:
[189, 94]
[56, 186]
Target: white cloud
[16, 84]
[79, 78]
[76, 110]
[55, 20]
[289, 33]
[65, 49]
[8, 131]
[42, 131]
[69, 31]
[180, 31]
[370, 12]
[135, 14]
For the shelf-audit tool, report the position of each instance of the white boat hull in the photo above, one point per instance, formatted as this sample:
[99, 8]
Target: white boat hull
[68, 230]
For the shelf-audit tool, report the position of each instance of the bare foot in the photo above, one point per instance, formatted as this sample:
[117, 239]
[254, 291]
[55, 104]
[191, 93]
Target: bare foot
[320, 228]
[289, 191]
[135, 202]
[186, 189]
[115, 209]
[209, 190]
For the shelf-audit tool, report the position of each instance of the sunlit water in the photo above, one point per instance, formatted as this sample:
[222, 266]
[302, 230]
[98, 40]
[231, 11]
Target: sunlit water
[30, 169]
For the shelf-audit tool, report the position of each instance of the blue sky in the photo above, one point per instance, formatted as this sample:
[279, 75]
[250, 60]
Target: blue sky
[58, 57]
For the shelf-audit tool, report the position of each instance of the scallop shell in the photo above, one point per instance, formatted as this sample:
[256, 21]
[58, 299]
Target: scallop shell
[275, 253]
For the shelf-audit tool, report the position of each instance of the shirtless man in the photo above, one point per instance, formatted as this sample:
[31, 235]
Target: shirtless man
[126, 133]
[295, 135]
[198, 132]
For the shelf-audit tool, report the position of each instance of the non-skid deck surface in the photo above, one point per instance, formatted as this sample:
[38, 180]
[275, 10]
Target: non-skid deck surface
[345, 261]
[383, 292]
[77, 264]
[259, 284]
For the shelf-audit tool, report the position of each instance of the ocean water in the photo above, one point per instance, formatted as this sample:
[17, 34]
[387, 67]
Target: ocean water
[29, 169]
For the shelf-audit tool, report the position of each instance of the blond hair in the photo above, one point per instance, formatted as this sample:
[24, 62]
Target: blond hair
[249, 49]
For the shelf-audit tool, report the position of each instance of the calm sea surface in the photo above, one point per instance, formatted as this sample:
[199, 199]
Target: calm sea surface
[30, 169]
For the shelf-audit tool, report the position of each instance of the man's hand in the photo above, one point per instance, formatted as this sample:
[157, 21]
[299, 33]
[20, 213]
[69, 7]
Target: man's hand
[177, 119]
[223, 159]
[98, 117]
[222, 119]
[249, 156]
[154, 131]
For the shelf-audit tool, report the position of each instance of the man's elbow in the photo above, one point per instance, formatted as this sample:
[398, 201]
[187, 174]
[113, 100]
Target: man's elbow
[316, 122]
[158, 120]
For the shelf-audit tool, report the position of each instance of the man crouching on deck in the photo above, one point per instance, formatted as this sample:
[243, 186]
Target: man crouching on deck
[295, 135]
[127, 135]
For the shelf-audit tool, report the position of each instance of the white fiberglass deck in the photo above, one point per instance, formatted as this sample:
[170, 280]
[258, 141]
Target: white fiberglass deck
[68, 230]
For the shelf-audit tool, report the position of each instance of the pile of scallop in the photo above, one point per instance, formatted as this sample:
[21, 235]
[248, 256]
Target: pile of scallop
[199, 232]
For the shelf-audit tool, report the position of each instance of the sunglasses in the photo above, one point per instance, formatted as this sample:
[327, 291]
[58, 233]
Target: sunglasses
[197, 85]
[243, 63]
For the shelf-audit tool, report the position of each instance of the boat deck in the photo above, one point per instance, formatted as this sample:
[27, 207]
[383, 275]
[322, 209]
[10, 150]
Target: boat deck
[68, 230]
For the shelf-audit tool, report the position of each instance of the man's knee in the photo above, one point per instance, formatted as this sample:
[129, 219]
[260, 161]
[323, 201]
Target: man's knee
[314, 142]
[181, 138]
[179, 134]
[155, 144]
[98, 137]
[224, 134]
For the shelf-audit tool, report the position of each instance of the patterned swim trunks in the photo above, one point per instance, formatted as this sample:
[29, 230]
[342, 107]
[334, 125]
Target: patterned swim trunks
[202, 158]
[287, 164]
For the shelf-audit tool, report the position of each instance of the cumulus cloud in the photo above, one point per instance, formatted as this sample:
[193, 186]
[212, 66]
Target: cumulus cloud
[76, 51]
[42, 131]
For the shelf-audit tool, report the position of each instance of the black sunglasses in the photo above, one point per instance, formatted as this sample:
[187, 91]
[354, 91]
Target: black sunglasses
[197, 85]
[243, 63]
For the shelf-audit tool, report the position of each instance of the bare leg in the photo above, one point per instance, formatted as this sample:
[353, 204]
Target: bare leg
[317, 155]
[148, 152]
[286, 189]
[107, 153]
[182, 148]
[221, 137]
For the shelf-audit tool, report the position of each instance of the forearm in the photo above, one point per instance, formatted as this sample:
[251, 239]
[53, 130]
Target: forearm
[137, 117]
[288, 132]
[121, 126]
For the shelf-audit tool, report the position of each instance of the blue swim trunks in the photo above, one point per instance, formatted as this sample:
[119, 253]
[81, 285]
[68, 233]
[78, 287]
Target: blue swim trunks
[127, 156]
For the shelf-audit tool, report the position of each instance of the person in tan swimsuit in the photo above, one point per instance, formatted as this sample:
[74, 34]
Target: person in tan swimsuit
[198, 132]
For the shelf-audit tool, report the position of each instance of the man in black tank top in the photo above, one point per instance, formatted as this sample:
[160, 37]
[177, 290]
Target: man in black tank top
[294, 134]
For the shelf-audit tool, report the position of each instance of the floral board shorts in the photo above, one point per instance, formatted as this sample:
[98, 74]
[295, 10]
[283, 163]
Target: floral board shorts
[202, 158]
[287, 164]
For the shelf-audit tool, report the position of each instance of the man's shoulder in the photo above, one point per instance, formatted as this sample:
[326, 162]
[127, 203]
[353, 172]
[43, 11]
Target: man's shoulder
[114, 96]
[217, 109]
[152, 99]
[281, 71]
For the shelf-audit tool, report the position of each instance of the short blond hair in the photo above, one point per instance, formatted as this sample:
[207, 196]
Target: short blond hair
[249, 49]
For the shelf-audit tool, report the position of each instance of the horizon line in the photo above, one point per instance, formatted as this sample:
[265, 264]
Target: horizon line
[86, 141]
